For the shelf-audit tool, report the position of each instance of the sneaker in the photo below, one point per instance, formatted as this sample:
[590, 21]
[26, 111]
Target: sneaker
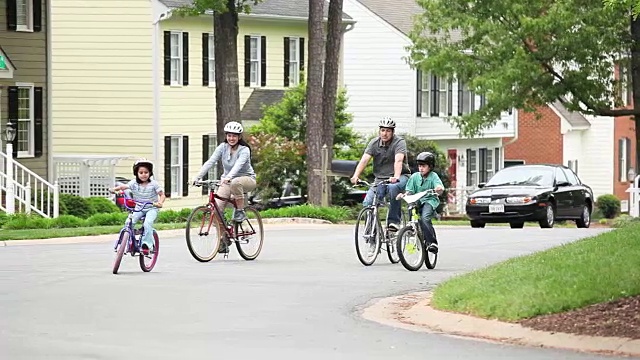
[239, 216]
[433, 248]
[393, 227]
[145, 249]
[224, 245]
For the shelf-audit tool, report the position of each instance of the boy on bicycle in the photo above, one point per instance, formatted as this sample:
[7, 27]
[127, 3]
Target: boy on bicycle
[426, 179]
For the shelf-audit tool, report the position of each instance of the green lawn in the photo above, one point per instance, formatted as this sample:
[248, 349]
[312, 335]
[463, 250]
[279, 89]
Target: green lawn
[571, 276]
[31, 234]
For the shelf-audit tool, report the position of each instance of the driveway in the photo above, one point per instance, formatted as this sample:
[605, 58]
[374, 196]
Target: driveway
[301, 299]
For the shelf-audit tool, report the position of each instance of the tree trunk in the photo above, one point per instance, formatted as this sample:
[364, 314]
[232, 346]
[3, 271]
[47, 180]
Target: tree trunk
[314, 133]
[331, 69]
[225, 35]
[635, 78]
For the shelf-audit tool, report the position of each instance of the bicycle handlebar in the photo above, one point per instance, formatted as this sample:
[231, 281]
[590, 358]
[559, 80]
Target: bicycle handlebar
[207, 182]
[366, 183]
[126, 198]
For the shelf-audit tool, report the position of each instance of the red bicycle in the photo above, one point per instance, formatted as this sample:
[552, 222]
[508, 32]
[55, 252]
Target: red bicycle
[204, 232]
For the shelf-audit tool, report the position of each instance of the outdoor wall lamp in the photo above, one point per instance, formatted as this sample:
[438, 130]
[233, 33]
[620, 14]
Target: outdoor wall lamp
[9, 132]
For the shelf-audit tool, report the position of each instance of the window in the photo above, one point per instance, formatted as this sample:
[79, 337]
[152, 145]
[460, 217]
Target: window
[176, 165]
[212, 61]
[24, 15]
[25, 134]
[255, 76]
[482, 164]
[624, 158]
[560, 176]
[625, 85]
[294, 61]
[213, 172]
[434, 96]
[571, 176]
[509, 163]
[466, 99]
[176, 58]
[573, 165]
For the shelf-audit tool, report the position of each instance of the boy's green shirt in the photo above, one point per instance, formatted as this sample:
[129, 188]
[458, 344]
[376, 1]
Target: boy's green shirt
[417, 183]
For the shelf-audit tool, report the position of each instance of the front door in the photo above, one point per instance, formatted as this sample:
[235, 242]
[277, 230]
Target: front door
[452, 154]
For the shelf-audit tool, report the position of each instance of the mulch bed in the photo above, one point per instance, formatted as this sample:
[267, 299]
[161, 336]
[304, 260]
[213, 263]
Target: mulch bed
[618, 318]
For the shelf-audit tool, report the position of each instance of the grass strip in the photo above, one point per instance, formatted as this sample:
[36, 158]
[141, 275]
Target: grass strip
[33, 234]
[567, 277]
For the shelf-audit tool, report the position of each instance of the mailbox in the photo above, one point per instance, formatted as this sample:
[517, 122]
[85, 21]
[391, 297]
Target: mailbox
[343, 167]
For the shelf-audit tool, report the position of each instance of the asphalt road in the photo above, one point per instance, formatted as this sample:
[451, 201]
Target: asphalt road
[299, 300]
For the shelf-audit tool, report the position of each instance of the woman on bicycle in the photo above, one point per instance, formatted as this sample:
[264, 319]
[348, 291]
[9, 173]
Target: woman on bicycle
[426, 179]
[145, 189]
[238, 177]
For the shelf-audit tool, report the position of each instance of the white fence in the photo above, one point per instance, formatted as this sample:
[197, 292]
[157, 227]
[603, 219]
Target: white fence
[86, 175]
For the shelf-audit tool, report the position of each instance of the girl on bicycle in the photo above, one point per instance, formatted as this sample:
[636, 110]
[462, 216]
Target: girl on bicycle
[145, 189]
[426, 179]
[238, 177]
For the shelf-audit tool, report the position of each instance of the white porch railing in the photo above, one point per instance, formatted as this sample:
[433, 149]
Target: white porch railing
[23, 191]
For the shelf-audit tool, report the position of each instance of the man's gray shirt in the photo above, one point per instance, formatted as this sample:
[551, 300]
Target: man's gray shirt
[384, 156]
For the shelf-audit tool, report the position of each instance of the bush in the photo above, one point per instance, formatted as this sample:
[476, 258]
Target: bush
[332, 213]
[609, 205]
[76, 206]
[68, 221]
[114, 218]
[102, 205]
[23, 221]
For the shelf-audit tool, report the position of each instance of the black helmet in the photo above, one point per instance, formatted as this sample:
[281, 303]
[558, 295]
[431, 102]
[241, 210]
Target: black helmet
[142, 162]
[427, 158]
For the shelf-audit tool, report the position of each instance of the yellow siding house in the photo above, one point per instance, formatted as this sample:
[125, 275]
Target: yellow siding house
[142, 84]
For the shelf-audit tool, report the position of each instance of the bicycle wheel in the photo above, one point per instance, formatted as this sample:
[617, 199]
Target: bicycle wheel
[392, 248]
[123, 241]
[410, 249]
[430, 259]
[250, 235]
[368, 251]
[203, 234]
[147, 262]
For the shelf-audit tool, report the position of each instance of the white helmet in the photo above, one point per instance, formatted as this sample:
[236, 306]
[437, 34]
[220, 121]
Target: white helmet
[386, 122]
[233, 127]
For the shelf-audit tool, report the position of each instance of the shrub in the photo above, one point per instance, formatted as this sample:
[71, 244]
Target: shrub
[68, 221]
[114, 218]
[102, 205]
[76, 206]
[333, 213]
[609, 205]
[23, 221]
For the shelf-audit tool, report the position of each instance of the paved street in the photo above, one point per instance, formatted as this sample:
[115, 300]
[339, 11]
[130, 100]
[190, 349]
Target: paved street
[299, 300]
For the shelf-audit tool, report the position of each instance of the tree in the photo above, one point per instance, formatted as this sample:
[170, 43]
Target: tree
[225, 34]
[331, 67]
[314, 101]
[634, 5]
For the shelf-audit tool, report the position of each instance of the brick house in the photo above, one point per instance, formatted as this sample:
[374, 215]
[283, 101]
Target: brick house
[599, 149]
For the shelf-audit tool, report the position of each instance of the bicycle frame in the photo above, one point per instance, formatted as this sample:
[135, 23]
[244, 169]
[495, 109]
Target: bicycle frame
[412, 211]
[229, 229]
[376, 205]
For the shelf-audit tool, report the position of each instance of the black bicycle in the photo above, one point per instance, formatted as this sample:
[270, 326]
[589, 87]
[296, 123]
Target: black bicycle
[373, 233]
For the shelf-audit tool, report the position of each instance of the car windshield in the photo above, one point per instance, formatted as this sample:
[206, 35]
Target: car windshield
[523, 175]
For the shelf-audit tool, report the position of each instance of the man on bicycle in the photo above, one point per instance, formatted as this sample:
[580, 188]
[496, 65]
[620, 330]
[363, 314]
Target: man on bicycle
[389, 153]
[426, 179]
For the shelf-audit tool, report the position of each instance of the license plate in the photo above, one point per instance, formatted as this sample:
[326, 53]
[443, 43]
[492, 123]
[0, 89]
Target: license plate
[496, 208]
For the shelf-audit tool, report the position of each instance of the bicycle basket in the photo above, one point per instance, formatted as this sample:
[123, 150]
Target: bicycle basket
[120, 201]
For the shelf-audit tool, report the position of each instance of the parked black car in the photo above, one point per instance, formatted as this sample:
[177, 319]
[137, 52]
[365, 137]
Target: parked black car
[542, 193]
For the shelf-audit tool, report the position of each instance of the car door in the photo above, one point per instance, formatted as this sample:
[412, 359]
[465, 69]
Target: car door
[562, 193]
[578, 193]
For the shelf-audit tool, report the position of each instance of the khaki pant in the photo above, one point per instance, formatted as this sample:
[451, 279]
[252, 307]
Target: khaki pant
[236, 190]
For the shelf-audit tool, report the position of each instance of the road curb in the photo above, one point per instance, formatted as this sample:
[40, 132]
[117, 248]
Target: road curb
[412, 312]
[270, 222]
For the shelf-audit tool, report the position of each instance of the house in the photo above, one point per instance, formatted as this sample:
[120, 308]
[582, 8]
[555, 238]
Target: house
[24, 106]
[380, 82]
[598, 149]
[142, 84]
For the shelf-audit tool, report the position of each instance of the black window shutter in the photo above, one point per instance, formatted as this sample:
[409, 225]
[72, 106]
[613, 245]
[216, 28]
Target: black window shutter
[460, 102]
[419, 93]
[37, 15]
[13, 114]
[37, 126]
[482, 169]
[620, 155]
[185, 165]
[628, 141]
[247, 60]
[205, 157]
[185, 58]
[12, 15]
[167, 166]
[301, 58]
[496, 161]
[167, 58]
[435, 87]
[450, 98]
[286, 61]
[263, 61]
[205, 59]
[469, 174]
[483, 101]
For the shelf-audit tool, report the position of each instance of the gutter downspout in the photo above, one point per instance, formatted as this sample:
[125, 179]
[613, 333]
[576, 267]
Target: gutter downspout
[50, 174]
[516, 121]
[156, 86]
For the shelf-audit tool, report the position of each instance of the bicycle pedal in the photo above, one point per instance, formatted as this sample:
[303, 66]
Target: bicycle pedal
[226, 255]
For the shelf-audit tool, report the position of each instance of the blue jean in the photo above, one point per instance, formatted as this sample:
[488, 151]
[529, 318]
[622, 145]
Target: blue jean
[150, 215]
[394, 205]
[427, 213]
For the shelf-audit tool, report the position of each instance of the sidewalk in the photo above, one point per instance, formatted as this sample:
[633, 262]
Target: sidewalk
[412, 312]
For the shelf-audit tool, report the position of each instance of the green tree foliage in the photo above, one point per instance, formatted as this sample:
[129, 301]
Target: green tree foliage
[524, 53]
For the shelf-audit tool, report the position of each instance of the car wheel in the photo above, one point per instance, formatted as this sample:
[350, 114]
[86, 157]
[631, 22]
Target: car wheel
[516, 225]
[477, 224]
[585, 218]
[550, 217]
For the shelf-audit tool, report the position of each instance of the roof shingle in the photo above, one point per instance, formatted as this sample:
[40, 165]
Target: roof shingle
[252, 109]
